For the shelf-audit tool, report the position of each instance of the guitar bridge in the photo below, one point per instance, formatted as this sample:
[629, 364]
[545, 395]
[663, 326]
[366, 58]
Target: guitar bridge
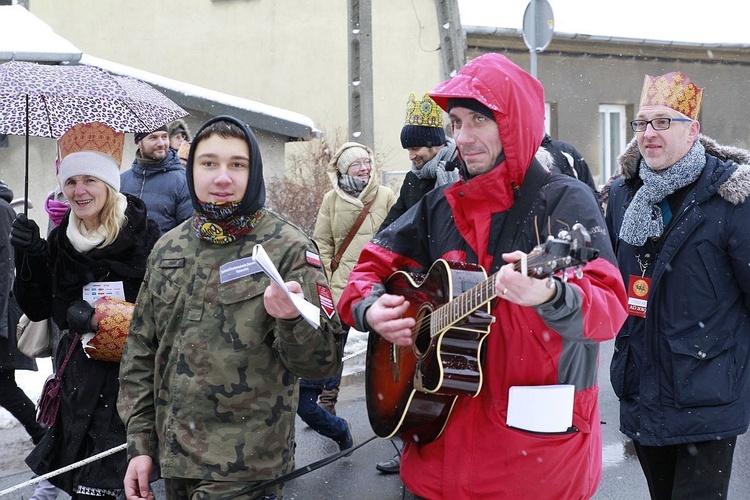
[418, 384]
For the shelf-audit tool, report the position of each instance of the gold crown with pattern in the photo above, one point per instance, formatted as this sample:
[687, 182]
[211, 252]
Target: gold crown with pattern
[425, 113]
[674, 90]
[93, 136]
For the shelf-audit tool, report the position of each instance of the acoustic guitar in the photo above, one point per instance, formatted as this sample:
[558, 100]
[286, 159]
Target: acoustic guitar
[410, 391]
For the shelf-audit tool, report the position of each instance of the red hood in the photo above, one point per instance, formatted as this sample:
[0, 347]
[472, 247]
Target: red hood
[517, 102]
[516, 99]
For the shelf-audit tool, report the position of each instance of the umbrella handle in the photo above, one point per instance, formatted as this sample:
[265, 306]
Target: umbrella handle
[26, 172]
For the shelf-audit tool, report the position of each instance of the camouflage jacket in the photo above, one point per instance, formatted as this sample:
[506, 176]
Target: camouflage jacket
[208, 379]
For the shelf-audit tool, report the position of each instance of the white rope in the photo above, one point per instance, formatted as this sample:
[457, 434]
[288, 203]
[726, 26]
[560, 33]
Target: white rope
[354, 354]
[103, 454]
[65, 469]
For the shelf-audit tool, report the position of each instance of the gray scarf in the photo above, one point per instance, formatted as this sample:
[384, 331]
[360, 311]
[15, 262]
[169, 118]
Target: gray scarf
[643, 218]
[352, 185]
[435, 168]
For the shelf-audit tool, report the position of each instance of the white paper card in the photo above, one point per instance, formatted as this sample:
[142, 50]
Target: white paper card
[541, 408]
[308, 310]
[98, 289]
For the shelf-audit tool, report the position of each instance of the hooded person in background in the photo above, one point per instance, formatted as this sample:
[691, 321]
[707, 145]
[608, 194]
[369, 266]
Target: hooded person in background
[678, 217]
[209, 378]
[567, 160]
[548, 330]
[356, 192]
[158, 178]
[179, 134]
[432, 156]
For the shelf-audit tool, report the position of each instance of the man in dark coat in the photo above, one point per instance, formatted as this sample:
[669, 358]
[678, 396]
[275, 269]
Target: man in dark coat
[158, 178]
[678, 218]
[12, 397]
[433, 157]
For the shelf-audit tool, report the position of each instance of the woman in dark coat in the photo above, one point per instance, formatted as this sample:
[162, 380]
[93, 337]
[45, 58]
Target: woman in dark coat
[106, 237]
[12, 397]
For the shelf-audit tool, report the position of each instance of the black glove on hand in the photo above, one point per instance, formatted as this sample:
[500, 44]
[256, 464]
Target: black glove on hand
[24, 235]
[79, 316]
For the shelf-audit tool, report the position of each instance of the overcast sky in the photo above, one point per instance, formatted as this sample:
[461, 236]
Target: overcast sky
[701, 21]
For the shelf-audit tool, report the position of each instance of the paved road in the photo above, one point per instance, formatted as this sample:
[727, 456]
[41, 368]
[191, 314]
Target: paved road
[355, 477]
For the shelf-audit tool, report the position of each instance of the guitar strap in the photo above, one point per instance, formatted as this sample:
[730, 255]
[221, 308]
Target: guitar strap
[536, 177]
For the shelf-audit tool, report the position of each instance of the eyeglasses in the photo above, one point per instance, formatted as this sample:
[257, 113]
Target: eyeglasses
[656, 123]
[359, 165]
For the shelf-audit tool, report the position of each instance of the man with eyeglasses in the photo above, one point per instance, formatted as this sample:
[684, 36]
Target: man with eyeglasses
[678, 218]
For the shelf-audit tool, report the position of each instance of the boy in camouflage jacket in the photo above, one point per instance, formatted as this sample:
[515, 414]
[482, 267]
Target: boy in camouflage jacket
[209, 377]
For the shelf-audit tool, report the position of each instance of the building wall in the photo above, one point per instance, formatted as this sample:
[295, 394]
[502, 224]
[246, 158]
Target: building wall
[286, 53]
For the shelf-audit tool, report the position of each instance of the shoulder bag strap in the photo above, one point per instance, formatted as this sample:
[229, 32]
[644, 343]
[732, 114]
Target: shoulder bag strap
[59, 372]
[350, 235]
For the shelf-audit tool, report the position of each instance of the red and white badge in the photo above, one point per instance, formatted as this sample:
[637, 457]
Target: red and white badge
[313, 259]
[326, 300]
[638, 289]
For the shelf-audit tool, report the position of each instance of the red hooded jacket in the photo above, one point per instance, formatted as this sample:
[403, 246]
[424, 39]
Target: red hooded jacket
[478, 455]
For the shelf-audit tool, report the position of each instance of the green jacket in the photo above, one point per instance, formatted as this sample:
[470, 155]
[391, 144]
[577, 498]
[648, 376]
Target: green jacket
[208, 379]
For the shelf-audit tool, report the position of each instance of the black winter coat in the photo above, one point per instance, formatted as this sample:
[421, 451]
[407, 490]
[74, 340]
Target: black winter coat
[412, 190]
[88, 422]
[682, 373]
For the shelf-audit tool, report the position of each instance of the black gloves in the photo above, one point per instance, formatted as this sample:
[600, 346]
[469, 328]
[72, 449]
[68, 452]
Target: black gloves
[24, 235]
[79, 316]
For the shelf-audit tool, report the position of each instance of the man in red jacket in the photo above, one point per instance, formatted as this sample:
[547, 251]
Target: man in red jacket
[543, 345]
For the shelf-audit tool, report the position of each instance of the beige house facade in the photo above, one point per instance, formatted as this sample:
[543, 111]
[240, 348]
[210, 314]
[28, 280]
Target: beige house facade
[292, 54]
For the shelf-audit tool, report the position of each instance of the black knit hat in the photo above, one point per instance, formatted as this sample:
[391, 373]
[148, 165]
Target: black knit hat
[416, 136]
[472, 104]
[424, 124]
[141, 135]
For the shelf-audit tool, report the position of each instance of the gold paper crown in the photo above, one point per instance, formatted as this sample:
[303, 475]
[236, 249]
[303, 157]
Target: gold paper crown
[425, 113]
[96, 137]
[674, 90]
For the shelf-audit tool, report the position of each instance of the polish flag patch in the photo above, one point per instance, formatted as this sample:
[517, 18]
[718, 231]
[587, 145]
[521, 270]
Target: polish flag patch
[313, 259]
[326, 300]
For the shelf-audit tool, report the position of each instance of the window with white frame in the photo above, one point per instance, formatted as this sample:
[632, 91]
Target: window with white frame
[612, 130]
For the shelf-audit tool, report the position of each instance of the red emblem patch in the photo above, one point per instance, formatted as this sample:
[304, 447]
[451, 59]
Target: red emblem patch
[326, 300]
[313, 259]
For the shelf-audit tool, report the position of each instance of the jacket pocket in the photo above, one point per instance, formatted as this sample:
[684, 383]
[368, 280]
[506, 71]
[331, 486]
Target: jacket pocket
[704, 369]
[162, 287]
[242, 289]
[622, 369]
[245, 320]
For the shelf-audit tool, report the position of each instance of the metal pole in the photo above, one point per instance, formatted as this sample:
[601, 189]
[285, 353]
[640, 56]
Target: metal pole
[532, 37]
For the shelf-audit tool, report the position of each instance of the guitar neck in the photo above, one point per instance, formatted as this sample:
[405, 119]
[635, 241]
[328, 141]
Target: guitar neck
[463, 305]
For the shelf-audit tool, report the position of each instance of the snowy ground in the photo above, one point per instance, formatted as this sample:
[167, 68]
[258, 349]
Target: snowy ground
[32, 382]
